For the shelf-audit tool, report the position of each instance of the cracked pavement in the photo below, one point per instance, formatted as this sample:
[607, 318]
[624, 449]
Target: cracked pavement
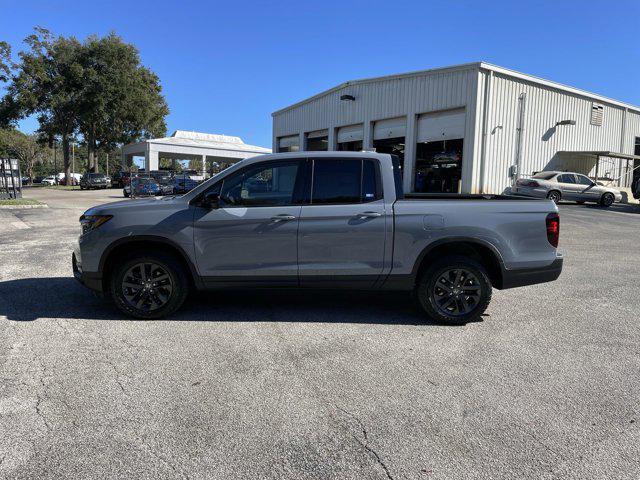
[319, 385]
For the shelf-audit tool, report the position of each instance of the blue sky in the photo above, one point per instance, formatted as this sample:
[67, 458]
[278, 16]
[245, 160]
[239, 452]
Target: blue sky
[225, 66]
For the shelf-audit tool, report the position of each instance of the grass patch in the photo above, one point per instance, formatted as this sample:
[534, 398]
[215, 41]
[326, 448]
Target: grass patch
[20, 201]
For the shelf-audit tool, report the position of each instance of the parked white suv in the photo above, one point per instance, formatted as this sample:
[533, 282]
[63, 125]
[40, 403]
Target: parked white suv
[571, 186]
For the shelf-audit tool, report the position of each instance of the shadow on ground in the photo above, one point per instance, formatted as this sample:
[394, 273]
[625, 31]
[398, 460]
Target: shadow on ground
[30, 299]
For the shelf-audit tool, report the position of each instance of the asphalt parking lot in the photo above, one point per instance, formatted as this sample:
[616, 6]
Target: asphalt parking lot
[319, 385]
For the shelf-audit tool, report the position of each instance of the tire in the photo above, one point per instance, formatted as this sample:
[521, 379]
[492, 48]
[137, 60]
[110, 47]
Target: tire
[555, 196]
[161, 297]
[126, 195]
[434, 295]
[607, 200]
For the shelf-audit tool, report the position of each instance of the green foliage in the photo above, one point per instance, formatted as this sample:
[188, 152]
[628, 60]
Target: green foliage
[97, 89]
[26, 148]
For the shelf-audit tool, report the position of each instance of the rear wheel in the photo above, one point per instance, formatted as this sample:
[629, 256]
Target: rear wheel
[149, 285]
[455, 289]
[607, 200]
[554, 195]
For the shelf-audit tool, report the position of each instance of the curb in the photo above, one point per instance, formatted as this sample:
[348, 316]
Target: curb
[22, 207]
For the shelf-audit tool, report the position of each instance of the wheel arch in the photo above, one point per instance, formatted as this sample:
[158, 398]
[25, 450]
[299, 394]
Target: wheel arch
[145, 243]
[481, 251]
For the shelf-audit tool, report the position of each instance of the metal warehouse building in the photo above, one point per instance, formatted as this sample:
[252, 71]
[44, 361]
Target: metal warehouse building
[470, 128]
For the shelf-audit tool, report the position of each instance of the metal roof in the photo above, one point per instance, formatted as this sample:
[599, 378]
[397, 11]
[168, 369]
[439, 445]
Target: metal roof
[205, 140]
[598, 153]
[467, 66]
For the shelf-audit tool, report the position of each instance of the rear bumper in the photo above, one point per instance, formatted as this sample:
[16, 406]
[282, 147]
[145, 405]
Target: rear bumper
[531, 276]
[91, 280]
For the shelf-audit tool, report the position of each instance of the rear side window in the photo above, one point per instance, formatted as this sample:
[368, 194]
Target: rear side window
[566, 178]
[397, 176]
[345, 181]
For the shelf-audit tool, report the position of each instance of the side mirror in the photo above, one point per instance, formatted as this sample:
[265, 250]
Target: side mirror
[211, 200]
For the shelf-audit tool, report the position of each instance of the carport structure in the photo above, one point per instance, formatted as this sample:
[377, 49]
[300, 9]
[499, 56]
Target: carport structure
[186, 145]
[628, 164]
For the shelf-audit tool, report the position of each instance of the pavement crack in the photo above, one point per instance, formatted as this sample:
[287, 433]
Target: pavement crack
[364, 441]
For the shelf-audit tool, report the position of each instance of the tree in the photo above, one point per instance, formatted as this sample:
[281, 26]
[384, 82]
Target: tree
[122, 100]
[6, 64]
[97, 89]
[48, 83]
[26, 148]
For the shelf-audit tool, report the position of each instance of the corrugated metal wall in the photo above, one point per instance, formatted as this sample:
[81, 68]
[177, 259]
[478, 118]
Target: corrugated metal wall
[466, 86]
[542, 138]
[387, 98]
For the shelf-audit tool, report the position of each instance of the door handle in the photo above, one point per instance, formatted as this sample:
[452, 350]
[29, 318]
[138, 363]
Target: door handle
[369, 215]
[283, 217]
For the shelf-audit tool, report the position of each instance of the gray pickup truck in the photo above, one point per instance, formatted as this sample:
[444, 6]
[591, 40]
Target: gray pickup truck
[317, 220]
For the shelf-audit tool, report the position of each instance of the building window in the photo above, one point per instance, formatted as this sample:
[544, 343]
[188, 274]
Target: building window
[389, 135]
[289, 144]
[318, 141]
[597, 112]
[439, 166]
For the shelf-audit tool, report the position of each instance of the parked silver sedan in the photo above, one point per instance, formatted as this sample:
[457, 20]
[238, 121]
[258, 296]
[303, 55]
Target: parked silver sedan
[571, 186]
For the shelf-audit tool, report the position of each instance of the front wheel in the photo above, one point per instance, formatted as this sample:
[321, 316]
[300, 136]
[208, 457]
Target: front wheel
[607, 200]
[454, 290]
[149, 285]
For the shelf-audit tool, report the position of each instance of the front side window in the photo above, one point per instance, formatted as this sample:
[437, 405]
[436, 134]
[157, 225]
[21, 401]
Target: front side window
[582, 180]
[345, 181]
[261, 185]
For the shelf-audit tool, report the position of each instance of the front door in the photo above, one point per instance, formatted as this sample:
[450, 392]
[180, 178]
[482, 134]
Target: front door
[252, 236]
[588, 191]
[342, 232]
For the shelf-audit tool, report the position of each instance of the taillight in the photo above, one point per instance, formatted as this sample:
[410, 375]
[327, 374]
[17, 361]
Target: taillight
[553, 229]
[527, 183]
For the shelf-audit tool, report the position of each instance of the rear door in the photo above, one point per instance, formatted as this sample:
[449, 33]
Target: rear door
[341, 240]
[568, 186]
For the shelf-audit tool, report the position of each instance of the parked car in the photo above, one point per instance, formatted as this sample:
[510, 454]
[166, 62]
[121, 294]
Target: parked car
[142, 187]
[50, 180]
[38, 179]
[182, 183]
[120, 179]
[95, 180]
[326, 219]
[163, 178]
[571, 186]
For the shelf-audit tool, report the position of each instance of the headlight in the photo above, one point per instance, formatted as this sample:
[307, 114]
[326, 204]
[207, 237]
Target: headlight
[91, 222]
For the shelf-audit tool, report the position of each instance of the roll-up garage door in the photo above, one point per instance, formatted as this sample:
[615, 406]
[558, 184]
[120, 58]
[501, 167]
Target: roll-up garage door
[318, 134]
[390, 128]
[352, 133]
[441, 126]
[288, 142]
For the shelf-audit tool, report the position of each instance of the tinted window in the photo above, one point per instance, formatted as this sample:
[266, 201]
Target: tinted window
[566, 178]
[336, 181]
[544, 175]
[370, 182]
[584, 180]
[262, 185]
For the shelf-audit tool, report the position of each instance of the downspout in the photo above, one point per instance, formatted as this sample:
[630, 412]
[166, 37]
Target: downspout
[485, 122]
[522, 104]
[622, 135]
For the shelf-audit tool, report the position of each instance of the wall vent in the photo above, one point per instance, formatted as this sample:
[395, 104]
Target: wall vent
[597, 112]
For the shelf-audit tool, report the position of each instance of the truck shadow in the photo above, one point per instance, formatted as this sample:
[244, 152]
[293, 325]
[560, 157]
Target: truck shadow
[29, 299]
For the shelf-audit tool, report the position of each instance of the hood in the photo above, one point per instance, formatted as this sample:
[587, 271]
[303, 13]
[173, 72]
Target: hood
[140, 204]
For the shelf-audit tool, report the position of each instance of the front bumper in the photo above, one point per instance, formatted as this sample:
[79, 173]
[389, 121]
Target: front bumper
[91, 280]
[530, 276]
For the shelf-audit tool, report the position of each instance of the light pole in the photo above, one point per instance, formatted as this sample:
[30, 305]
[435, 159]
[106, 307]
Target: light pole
[73, 160]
